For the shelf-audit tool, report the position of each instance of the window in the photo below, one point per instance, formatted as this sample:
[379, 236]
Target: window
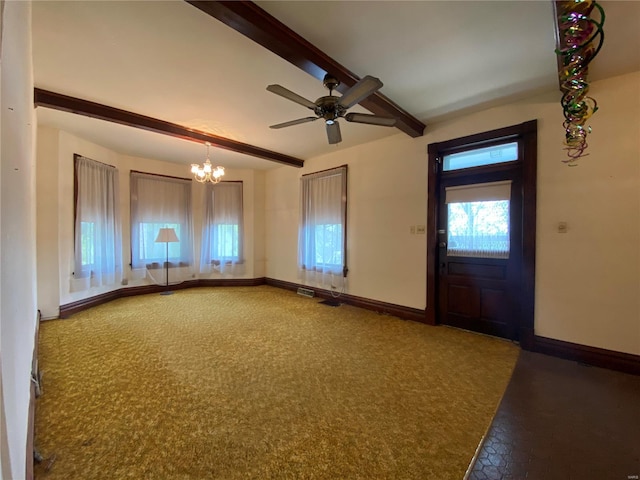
[227, 244]
[160, 202]
[152, 251]
[322, 239]
[87, 241]
[98, 242]
[478, 220]
[222, 232]
[479, 229]
[328, 244]
[507, 152]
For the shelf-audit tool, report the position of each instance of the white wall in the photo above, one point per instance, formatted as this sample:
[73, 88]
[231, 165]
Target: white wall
[18, 313]
[587, 280]
[259, 254]
[47, 223]
[5, 460]
[55, 215]
[387, 183]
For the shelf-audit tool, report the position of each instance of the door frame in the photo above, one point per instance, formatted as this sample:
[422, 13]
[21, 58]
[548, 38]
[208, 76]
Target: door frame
[527, 134]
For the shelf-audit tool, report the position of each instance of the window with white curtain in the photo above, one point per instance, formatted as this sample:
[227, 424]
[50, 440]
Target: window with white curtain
[160, 202]
[222, 232]
[98, 240]
[322, 231]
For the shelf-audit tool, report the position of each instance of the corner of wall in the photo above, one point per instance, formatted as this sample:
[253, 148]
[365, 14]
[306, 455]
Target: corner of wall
[18, 309]
[259, 219]
[47, 175]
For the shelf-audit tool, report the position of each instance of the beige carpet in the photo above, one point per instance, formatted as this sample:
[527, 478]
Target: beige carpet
[260, 383]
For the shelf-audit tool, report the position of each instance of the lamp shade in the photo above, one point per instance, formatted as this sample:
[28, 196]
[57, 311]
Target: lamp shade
[167, 235]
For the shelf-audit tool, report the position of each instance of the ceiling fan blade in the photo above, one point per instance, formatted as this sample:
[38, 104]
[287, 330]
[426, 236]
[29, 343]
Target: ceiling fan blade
[294, 122]
[333, 133]
[289, 95]
[370, 119]
[361, 90]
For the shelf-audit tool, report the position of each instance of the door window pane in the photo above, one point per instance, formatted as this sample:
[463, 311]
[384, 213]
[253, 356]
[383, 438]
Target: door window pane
[478, 229]
[507, 152]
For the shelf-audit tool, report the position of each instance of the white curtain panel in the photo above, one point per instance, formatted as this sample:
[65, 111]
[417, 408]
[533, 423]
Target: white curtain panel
[321, 239]
[161, 202]
[98, 238]
[222, 230]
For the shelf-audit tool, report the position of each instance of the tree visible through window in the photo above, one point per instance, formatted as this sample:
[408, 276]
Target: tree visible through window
[328, 244]
[479, 229]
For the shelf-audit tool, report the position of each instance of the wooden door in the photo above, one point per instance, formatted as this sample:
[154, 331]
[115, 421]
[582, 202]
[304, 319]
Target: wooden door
[490, 295]
[478, 276]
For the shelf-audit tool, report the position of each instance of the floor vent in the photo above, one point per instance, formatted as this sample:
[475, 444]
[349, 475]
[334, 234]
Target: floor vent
[306, 292]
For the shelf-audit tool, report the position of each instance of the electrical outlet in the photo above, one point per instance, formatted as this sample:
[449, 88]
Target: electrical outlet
[412, 229]
[421, 229]
[125, 281]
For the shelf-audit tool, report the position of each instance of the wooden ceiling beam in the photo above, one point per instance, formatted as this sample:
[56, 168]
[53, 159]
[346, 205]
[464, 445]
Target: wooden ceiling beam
[253, 22]
[57, 101]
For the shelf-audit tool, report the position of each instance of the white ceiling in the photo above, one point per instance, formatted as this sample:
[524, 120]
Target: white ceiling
[171, 61]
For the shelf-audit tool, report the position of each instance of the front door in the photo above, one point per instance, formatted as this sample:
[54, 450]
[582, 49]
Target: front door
[479, 237]
[480, 240]
[481, 232]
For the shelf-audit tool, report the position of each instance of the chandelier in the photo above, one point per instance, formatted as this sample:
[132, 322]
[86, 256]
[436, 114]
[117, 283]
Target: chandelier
[207, 172]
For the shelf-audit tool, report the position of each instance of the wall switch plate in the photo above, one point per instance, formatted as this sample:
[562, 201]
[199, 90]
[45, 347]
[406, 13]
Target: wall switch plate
[412, 230]
[421, 229]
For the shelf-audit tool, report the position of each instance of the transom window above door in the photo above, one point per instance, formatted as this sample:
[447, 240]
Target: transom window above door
[479, 157]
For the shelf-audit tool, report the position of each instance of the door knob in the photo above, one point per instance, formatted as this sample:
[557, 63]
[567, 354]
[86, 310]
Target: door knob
[442, 244]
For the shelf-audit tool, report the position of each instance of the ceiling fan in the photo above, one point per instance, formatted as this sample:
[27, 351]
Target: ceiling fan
[330, 108]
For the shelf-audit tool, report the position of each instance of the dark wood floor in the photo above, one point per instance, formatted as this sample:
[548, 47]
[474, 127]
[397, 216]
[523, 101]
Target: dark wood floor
[563, 420]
